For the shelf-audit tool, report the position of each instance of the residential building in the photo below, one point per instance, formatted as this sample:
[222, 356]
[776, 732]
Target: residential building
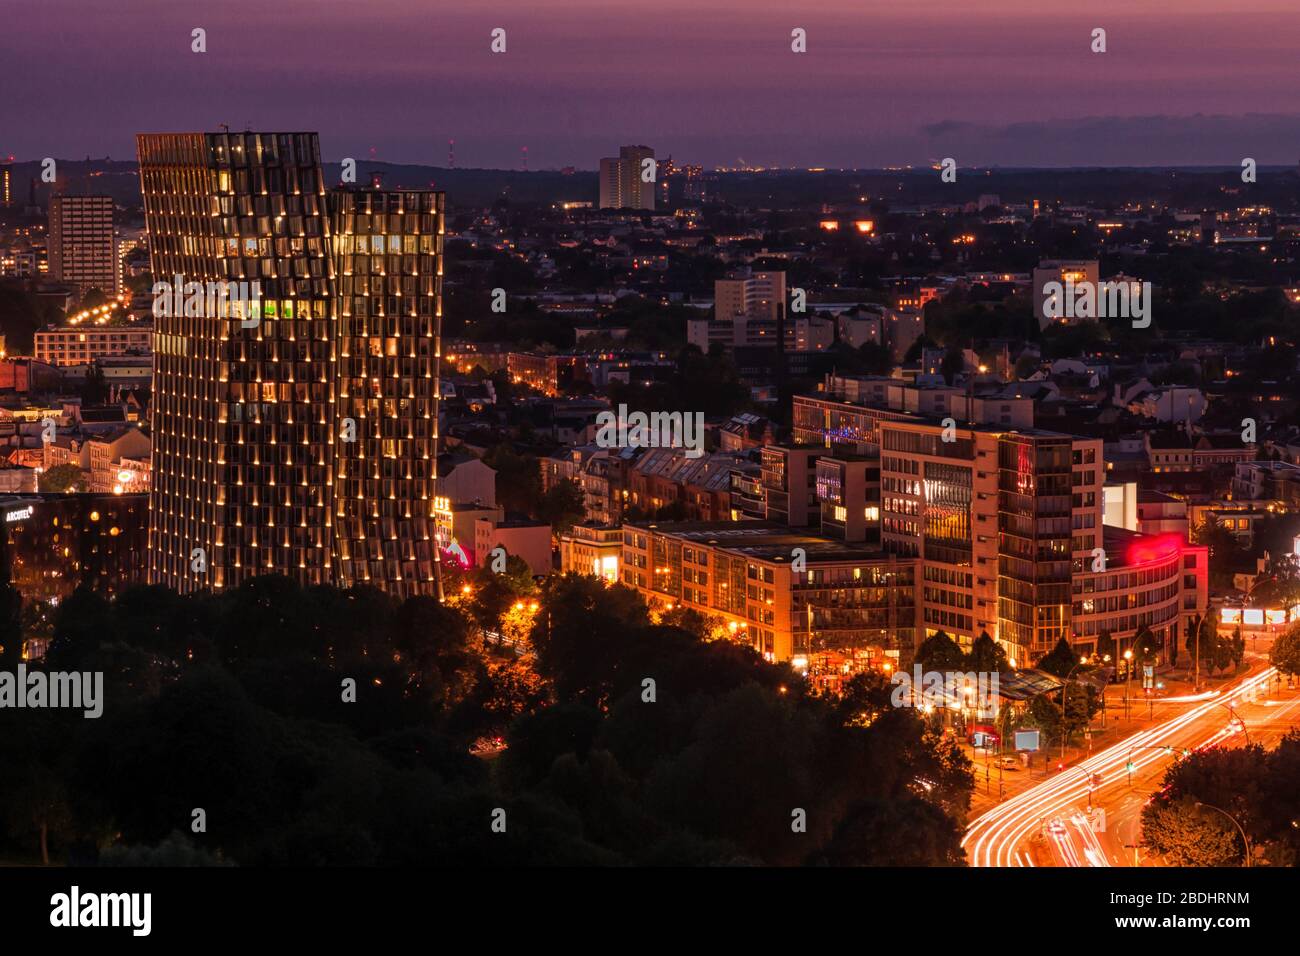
[80, 346]
[838, 610]
[105, 453]
[592, 549]
[82, 249]
[627, 181]
[520, 537]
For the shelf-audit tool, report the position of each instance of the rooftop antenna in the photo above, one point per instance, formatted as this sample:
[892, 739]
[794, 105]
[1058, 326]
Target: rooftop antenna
[451, 154]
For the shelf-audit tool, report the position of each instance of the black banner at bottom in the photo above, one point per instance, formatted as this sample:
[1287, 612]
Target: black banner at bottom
[331, 906]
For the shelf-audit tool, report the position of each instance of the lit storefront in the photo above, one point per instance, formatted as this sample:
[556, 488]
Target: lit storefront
[828, 608]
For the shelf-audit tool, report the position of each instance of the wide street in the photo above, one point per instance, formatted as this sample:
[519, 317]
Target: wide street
[1088, 814]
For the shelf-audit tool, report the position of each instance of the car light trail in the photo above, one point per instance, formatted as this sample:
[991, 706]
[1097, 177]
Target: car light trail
[992, 839]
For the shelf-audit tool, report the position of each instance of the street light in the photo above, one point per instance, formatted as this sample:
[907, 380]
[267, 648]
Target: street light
[1237, 718]
[1128, 677]
[1105, 660]
[1244, 839]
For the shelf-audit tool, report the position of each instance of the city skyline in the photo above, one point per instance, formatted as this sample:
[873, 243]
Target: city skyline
[750, 434]
[1008, 85]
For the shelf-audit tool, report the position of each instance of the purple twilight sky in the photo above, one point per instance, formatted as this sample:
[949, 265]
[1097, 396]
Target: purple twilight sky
[884, 82]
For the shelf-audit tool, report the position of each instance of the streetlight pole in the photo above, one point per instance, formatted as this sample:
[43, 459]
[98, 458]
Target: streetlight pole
[1237, 717]
[1244, 839]
[1128, 676]
[1104, 688]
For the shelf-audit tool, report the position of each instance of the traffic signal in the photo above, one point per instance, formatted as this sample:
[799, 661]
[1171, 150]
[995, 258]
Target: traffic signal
[1130, 766]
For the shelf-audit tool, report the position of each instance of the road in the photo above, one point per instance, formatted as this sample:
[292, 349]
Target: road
[1056, 810]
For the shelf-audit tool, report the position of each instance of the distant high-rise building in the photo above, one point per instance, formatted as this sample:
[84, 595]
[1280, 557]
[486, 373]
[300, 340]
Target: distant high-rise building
[694, 188]
[302, 443]
[6, 176]
[82, 249]
[623, 183]
[610, 185]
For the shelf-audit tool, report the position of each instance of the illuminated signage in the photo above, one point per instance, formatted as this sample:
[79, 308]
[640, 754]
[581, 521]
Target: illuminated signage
[19, 514]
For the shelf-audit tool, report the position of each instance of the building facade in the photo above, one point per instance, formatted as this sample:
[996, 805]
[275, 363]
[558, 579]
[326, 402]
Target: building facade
[389, 255]
[57, 543]
[82, 249]
[828, 608]
[81, 346]
[622, 184]
[323, 386]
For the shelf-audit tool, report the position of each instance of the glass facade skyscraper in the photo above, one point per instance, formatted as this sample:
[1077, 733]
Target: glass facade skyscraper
[250, 446]
[389, 247]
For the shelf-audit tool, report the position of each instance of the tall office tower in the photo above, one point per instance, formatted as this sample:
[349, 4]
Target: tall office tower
[622, 185]
[389, 256]
[6, 177]
[938, 503]
[243, 411]
[1050, 506]
[82, 249]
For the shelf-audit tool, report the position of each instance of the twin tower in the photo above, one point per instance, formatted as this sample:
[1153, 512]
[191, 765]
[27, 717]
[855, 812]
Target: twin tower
[304, 443]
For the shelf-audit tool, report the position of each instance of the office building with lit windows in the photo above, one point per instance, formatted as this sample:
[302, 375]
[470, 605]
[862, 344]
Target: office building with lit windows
[243, 409]
[389, 253]
[251, 449]
[1004, 524]
[1075, 273]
